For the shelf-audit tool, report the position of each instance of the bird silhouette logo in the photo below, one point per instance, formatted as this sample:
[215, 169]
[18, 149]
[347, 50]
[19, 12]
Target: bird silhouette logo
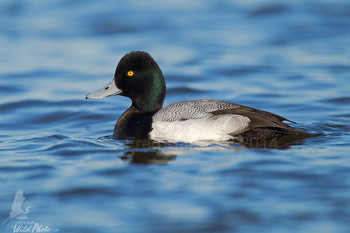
[17, 212]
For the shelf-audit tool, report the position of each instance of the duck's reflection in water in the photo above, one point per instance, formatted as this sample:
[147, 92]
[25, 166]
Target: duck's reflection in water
[148, 152]
[150, 157]
[153, 152]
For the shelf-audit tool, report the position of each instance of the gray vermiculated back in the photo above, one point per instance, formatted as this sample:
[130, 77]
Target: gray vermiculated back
[192, 109]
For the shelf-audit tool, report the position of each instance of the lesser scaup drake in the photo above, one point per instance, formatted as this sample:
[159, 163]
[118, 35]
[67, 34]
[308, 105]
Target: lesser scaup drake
[139, 77]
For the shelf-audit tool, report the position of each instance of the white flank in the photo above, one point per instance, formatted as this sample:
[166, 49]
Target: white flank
[214, 129]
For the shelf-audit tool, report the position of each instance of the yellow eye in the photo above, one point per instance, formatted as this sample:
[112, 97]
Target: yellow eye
[130, 73]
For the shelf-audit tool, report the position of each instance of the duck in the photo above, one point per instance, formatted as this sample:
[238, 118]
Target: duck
[138, 77]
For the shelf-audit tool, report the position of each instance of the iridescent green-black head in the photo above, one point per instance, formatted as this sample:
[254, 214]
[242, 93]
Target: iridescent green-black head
[138, 77]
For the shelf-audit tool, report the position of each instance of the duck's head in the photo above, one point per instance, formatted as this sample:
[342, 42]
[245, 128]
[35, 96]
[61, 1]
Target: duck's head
[138, 77]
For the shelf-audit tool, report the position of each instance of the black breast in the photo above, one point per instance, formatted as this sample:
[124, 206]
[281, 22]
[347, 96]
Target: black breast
[133, 125]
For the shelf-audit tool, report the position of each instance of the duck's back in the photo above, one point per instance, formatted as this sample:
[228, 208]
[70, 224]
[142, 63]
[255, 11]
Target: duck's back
[192, 109]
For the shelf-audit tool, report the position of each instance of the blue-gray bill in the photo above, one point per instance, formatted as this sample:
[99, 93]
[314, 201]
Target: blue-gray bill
[109, 90]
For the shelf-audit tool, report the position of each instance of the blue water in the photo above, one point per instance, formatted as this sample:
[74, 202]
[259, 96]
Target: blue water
[289, 57]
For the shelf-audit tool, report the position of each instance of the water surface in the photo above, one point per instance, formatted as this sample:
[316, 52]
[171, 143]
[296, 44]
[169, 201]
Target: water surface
[290, 58]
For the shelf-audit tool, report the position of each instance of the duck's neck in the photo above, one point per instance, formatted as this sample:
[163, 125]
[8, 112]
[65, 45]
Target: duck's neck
[153, 95]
